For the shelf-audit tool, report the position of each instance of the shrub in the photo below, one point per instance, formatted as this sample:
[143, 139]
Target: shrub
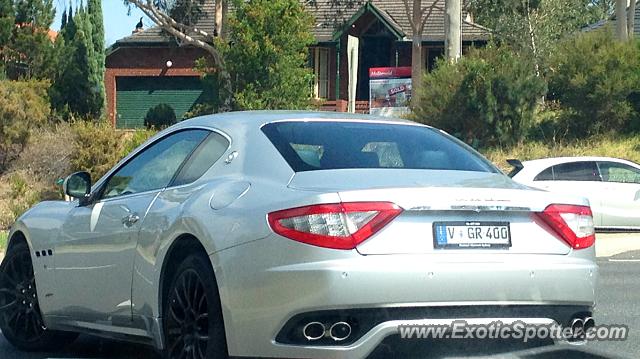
[133, 139]
[596, 79]
[160, 116]
[46, 157]
[53, 153]
[488, 97]
[97, 147]
[23, 106]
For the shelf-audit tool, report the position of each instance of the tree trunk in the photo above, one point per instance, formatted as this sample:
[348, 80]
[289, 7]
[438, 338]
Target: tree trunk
[218, 19]
[416, 51]
[631, 18]
[621, 20]
[453, 29]
[532, 37]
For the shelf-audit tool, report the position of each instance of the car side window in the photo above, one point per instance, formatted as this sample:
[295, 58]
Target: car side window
[546, 175]
[619, 172]
[576, 171]
[155, 166]
[208, 153]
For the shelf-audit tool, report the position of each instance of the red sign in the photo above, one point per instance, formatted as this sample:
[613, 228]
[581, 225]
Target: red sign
[389, 72]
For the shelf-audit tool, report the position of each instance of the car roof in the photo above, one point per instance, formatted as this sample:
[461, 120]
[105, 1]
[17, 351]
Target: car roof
[533, 167]
[558, 160]
[259, 118]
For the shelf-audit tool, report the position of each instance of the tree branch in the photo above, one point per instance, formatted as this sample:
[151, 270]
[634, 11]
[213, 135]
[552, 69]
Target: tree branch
[428, 15]
[184, 33]
[407, 9]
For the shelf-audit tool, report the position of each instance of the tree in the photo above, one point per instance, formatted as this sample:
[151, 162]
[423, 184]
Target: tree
[94, 17]
[534, 26]
[7, 20]
[178, 18]
[79, 87]
[266, 52]
[418, 16]
[30, 51]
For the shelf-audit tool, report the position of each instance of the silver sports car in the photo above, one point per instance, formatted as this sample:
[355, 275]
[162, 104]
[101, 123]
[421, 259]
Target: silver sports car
[293, 234]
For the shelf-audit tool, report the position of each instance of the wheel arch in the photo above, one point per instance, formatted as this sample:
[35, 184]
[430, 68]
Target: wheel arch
[184, 245]
[16, 237]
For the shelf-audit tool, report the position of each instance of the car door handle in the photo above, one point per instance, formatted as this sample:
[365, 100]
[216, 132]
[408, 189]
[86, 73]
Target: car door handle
[130, 220]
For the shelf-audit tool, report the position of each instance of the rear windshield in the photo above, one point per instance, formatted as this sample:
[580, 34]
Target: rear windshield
[312, 146]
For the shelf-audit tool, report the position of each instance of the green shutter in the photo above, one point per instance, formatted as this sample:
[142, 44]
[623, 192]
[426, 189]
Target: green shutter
[136, 95]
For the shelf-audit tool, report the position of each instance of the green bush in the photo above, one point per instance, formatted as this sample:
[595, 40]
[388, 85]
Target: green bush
[160, 116]
[488, 97]
[97, 147]
[24, 105]
[133, 139]
[596, 80]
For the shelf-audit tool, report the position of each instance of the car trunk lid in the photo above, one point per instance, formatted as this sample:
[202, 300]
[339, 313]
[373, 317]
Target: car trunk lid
[443, 208]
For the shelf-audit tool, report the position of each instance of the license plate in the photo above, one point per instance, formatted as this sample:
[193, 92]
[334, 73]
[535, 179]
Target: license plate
[465, 235]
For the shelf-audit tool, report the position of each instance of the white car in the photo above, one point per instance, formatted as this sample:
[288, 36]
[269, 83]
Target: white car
[612, 185]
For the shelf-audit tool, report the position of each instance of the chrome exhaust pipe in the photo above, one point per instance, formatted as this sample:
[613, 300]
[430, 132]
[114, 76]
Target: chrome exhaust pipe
[340, 331]
[577, 327]
[313, 331]
[589, 323]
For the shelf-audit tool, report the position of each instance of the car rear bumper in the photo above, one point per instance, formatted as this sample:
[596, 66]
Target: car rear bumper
[270, 287]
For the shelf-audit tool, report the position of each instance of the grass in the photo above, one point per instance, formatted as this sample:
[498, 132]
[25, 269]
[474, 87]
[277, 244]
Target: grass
[625, 147]
[3, 240]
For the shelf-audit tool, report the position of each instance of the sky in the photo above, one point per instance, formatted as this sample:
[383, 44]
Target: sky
[117, 24]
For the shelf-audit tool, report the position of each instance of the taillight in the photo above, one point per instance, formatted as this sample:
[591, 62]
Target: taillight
[337, 225]
[574, 224]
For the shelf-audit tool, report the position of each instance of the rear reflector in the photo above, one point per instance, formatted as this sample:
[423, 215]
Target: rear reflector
[574, 224]
[337, 226]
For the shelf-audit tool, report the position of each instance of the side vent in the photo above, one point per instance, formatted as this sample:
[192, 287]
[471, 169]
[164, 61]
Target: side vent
[44, 253]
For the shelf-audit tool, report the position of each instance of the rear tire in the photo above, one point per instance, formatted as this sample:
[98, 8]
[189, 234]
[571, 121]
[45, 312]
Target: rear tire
[20, 316]
[193, 325]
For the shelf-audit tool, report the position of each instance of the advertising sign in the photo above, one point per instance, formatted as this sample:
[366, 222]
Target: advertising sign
[389, 91]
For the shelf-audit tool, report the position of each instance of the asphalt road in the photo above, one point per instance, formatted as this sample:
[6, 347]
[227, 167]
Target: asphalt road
[618, 302]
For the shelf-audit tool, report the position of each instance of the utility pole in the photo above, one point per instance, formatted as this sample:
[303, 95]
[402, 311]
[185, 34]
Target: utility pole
[453, 29]
[631, 18]
[621, 20]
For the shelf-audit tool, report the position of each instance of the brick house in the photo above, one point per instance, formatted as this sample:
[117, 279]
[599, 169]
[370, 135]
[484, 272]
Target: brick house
[149, 67]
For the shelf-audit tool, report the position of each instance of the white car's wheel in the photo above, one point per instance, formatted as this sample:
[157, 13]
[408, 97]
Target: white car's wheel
[20, 317]
[193, 319]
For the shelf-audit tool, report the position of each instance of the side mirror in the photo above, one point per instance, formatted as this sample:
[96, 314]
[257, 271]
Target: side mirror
[78, 185]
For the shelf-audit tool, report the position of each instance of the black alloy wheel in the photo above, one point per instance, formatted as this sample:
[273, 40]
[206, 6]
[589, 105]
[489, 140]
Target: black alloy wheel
[20, 317]
[193, 320]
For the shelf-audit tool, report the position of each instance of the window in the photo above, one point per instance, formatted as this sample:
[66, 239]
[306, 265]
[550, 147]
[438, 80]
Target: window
[619, 172]
[546, 175]
[576, 171]
[208, 153]
[309, 146]
[155, 166]
[320, 60]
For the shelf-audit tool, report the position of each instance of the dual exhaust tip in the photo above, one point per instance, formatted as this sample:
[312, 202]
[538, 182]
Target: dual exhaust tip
[339, 331]
[580, 326]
